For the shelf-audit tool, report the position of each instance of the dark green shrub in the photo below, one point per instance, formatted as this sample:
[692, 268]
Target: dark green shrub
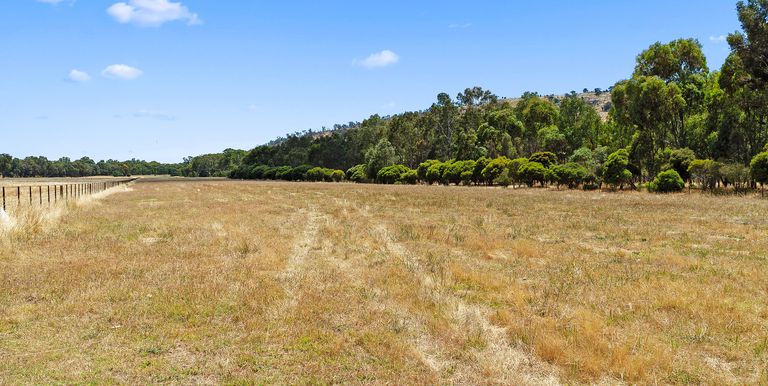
[283, 173]
[337, 175]
[679, 160]
[435, 172]
[545, 158]
[421, 171]
[759, 168]
[299, 173]
[269, 173]
[477, 173]
[570, 174]
[503, 179]
[514, 169]
[257, 172]
[453, 172]
[533, 172]
[495, 168]
[410, 177]
[391, 174]
[666, 182]
[357, 173]
[615, 170]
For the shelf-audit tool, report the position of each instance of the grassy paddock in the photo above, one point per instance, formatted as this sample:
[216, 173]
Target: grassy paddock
[228, 282]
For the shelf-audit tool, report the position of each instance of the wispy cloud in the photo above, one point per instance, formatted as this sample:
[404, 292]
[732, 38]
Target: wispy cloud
[718, 39]
[79, 76]
[379, 59]
[152, 13]
[153, 115]
[55, 2]
[460, 25]
[121, 71]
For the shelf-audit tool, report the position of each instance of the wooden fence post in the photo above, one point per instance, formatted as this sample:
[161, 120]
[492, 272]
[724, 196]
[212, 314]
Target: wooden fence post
[18, 196]
[4, 210]
[40, 194]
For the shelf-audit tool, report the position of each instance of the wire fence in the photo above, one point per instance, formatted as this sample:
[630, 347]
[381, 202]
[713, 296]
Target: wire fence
[17, 197]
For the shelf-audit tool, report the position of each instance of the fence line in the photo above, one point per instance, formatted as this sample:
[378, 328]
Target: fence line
[61, 192]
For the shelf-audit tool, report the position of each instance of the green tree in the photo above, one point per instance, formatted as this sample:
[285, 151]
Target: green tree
[495, 168]
[650, 107]
[615, 169]
[579, 123]
[379, 156]
[759, 169]
[545, 158]
[532, 173]
[391, 174]
[666, 182]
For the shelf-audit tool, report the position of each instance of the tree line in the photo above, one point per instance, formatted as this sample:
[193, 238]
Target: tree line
[207, 165]
[672, 121]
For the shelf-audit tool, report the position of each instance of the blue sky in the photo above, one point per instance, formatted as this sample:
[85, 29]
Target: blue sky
[164, 79]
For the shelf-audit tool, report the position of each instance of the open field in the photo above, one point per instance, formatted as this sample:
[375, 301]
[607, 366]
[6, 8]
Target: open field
[245, 282]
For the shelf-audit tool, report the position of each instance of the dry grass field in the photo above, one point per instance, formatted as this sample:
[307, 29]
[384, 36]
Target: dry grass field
[253, 282]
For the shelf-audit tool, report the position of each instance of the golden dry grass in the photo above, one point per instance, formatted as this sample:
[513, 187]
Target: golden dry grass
[245, 282]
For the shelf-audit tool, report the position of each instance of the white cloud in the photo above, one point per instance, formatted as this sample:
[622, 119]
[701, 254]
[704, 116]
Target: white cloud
[152, 13]
[79, 76]
[121, 71]
[379, 59]
[718, 39]
[54, 2]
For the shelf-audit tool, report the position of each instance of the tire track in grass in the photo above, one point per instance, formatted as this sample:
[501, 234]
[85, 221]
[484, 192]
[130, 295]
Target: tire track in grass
[428, 349]
[294, 270]
[505, 363]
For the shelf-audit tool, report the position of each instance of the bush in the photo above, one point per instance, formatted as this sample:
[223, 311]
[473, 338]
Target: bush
[759, 167]
[615, 170]
[477, 173]
[544, 158]
[337, 175]
[495, 168]
[410, 177]
[679, 160]
[736, 175]
[283, 173]
[299, 173]
[503, 179]
[533, 172]
[315, 174]
[421, 171]
[391, 174]
[435, 172]
[705, 173]
[453, 172]
[570, 174]
[257, 172]
[357, 173]
[269, 173]
[666, 182]
[514, 169]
